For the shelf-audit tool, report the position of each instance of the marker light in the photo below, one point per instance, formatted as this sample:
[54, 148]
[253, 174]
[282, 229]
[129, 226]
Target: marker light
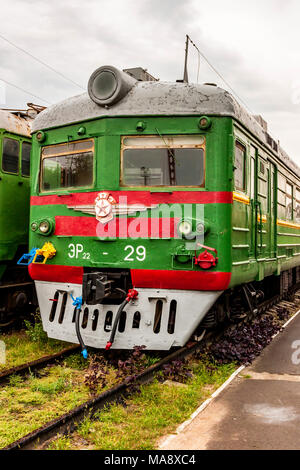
[204, 123]
[40, 136]
[44, 227]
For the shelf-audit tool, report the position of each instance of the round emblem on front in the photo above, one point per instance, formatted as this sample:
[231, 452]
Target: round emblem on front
[104, 207]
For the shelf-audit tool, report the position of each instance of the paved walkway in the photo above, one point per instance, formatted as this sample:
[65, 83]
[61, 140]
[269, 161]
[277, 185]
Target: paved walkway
[259, 410]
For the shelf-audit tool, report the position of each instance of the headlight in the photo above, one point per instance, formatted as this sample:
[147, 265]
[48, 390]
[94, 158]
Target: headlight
[44, 226]
[108, 85]
[185, 228]
[34, 226]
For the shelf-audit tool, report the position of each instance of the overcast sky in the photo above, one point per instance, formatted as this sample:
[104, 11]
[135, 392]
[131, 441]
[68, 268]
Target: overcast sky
[254, 44]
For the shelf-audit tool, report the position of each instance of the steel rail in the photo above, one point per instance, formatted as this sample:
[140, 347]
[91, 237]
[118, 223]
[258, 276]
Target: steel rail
[68, 422]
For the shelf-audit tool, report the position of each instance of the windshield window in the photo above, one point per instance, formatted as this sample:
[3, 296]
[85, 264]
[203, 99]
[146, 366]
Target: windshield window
[67, 165]
[163, 161]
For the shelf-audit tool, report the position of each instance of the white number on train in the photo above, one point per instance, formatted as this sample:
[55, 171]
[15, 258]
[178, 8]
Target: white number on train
[139, 254]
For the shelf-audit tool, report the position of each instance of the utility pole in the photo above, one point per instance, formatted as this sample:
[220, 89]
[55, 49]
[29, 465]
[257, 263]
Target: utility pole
[185, 74]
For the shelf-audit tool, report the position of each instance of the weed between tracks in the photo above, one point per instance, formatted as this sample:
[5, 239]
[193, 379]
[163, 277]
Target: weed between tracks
[151, 411]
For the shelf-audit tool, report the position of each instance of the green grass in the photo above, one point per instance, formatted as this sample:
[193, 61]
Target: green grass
[27, 404]
[51, 388]
[151, 414]
[35, 332]
[15, 380]
[21, 348]
[75, 361]
[63, 443]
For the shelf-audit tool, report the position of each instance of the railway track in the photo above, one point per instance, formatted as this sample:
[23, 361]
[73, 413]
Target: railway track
[67, 423]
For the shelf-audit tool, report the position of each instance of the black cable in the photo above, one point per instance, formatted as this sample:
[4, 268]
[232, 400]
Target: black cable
[114, 328]
[77, 326]
[41, 62]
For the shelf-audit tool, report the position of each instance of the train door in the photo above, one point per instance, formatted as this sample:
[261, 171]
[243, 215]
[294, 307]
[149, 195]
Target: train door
[264, 213]
[272, 215]
[269, 217]
[252, 224]
[262, 245]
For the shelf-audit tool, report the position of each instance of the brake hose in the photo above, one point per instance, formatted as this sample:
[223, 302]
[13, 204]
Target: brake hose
[132, 294]
[78, 304]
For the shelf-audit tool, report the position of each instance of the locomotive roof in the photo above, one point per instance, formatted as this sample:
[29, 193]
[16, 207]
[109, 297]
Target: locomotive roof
[14, 124]
[159, 98]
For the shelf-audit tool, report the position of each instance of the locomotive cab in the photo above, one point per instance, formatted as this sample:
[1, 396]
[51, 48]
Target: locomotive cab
[134, 193]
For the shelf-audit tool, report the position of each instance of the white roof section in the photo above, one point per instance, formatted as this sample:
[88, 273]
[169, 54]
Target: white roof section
[14, 124]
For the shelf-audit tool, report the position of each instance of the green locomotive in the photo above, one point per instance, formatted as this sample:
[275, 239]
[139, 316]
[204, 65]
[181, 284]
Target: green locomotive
[16, 287]
[161, 208]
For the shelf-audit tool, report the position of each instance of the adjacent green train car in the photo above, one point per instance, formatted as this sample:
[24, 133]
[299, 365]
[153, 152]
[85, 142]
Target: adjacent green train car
[16, 287]
[167, 197]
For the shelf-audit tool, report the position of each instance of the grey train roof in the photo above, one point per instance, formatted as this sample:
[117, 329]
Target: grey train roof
[158, 98]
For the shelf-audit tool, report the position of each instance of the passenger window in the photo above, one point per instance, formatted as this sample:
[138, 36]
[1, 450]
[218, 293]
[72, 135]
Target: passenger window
[298, 205]
[26, 148]
[10, 156]
[289, 201]
[240, 167]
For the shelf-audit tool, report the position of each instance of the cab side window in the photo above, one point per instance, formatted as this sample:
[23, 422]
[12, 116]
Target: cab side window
[26, 148]
[10, 156]
[240, 167]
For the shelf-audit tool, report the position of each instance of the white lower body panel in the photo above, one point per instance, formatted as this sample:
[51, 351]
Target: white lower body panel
[173, 314]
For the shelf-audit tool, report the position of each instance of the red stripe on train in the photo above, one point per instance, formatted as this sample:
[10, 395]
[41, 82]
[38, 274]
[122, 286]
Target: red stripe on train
[144, 278]
[55, 273]
[180, 280]
[141, 227]
[142, 197]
